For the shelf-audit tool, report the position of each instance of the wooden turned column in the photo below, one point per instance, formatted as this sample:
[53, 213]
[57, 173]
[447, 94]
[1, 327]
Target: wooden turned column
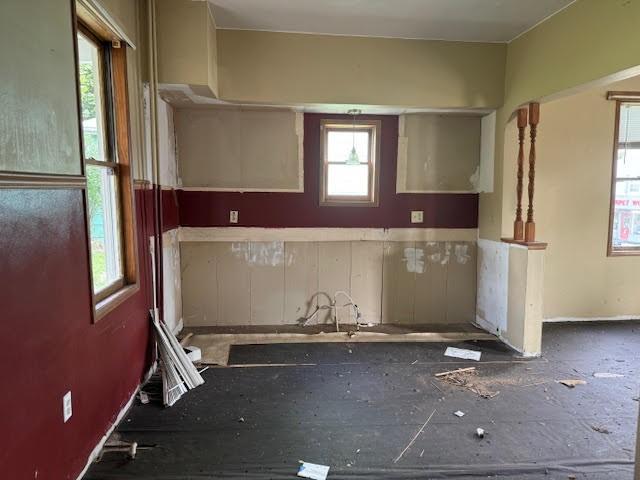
[518, 224]
[534, 118]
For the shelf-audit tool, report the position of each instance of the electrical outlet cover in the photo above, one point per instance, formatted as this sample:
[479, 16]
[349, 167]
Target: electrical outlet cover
[233, 216]
[417, 216]
[67, 410]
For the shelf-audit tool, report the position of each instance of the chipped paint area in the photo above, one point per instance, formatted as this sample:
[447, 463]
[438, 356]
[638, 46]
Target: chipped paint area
[262, 254]
[414, 259]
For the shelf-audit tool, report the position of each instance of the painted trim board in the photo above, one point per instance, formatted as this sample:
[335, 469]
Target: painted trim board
[259, 234]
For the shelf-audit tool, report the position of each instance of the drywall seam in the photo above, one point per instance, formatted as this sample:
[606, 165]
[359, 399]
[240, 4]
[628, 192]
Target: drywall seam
[592, 319]
[123, 411]
[242, 234]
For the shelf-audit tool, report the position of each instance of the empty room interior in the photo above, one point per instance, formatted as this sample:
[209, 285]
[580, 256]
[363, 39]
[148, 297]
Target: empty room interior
[324, 239]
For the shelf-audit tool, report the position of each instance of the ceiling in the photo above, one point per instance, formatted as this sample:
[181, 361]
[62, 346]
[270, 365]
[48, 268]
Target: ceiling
[462, 20]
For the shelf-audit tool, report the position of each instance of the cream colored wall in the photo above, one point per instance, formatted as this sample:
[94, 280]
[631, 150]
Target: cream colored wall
[187, 46]
[573, 184]
[277, 282]
[288, 68]
[38, 118]
[240, 148]
[587, 42]
[438, 153]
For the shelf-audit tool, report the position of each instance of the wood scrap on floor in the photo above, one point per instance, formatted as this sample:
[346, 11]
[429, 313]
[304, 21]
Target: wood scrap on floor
[571, 383]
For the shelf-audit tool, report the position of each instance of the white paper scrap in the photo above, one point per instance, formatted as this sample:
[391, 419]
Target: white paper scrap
[608, 375]
[463, 353]
[459, 414]
[313, 471]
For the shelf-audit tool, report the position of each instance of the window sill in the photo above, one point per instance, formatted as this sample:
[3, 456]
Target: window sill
[105, 306]
[624, 253]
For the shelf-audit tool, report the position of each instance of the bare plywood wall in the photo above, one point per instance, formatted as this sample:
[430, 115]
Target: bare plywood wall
[239, 149]
[438, 153]
[273, 283]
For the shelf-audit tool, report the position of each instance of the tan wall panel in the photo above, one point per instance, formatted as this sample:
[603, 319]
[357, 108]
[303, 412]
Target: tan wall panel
[430, 305]
[266, 269]
[441, 153]
[199, 268]
[234, 284]
[272, 283]
[301, 280]
[334, 274]
[367, 260]
[290, 69]
[398, 284]
[39, 129]
[462, 282]
[238, 149]
[182, 42]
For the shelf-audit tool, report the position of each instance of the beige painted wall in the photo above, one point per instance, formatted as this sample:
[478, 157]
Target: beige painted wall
[239, 148]
[438, 152]
[277, 282]
[187, 45]
[289, 68]
[38, 119]
[573, 184]
[586, 42]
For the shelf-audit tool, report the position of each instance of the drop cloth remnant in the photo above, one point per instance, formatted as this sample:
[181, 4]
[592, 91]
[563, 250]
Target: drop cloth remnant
[462, 353]
[313, 471]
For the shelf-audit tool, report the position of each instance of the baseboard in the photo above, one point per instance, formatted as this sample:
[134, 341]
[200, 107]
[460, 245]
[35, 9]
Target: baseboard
[96, 450]
[591, 319]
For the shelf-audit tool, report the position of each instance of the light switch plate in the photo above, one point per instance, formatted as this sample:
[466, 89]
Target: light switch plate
[67, 410]
[417, 216]
[233, 216]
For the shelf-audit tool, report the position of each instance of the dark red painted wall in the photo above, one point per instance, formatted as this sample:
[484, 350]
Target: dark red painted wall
[170, 214]
[49, 344]
[211, 209]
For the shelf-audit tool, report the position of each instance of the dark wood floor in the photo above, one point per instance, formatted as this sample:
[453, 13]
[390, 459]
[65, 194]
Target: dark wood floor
[355, 407]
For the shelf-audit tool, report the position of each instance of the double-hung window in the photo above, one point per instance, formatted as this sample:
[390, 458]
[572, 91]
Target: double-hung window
[105, 138]
[624, 231]
[350, 153]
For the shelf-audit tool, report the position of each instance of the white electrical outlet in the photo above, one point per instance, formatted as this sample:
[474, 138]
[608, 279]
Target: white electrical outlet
[233, 216]
[67, 411]
[417, 216]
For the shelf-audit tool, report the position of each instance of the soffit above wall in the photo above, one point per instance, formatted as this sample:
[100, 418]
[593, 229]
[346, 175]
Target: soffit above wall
[460, 20]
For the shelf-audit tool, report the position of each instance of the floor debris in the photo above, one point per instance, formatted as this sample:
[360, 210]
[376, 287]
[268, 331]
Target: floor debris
[414, 437]
[480, 432]
[459, 414]
[571, 383]
[313, 471]
[607, 375]
[466, 378]
[144, 397]
[600, 429]
[463, 353]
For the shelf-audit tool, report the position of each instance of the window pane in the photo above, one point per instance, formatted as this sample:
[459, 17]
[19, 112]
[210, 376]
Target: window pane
[340, 144]
[629, 130]
[348, 180]
[626, 218]
[91, 99]
[106, 263]
[628, 164]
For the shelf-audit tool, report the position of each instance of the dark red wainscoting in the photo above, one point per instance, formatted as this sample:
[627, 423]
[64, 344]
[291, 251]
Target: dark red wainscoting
[49, 344]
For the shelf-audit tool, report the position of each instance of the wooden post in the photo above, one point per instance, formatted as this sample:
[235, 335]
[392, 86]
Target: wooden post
[534, 118]
[518, 224]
